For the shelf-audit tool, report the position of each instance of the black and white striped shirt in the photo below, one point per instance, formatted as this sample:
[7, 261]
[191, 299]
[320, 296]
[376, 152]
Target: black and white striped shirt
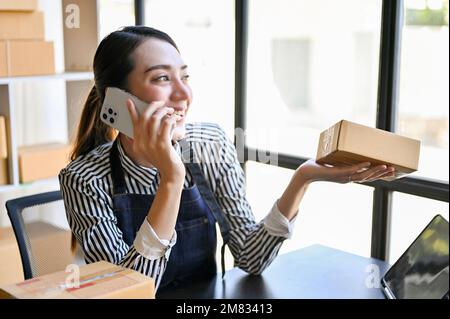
[86, 185]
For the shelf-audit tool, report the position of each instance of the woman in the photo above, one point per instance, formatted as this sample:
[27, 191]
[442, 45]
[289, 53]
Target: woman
[136, 203]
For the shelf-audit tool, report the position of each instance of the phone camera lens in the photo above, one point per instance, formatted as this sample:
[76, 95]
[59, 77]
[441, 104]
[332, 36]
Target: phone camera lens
[105, 116]
[110, 111]
[111, 120]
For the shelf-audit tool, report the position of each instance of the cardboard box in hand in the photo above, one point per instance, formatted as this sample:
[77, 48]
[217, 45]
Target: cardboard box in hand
[347, 143]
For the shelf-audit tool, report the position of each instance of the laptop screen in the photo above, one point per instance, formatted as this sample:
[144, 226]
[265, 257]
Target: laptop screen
[422, 271]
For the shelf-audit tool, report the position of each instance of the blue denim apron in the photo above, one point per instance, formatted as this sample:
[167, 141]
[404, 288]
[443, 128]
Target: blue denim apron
[193, 256]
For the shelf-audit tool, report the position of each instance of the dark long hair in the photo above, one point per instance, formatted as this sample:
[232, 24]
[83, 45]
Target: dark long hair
[112, 64]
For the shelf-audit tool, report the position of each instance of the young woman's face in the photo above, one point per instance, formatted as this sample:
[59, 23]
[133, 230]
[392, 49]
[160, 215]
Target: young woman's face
[160, 74]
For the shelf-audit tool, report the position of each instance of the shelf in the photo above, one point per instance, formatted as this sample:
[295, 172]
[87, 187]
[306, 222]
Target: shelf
[68, 76]
[43, 184]
[79, 45]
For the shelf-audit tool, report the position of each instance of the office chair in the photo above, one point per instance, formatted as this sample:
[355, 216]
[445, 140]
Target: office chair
[44, 247]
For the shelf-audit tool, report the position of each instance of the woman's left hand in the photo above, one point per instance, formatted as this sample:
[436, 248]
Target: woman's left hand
[311, 171]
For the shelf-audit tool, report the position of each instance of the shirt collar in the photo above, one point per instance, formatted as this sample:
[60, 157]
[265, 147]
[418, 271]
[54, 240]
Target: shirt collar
[145, 175]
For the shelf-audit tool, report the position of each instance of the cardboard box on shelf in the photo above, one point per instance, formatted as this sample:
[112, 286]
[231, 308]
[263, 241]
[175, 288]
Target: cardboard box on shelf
[23, 57]
[4, 179]
[42, 161]
[3, 59]
[3, 139]
[347, 143]
[14, 5]
[101, 280]
[11, 264]
[21, 25]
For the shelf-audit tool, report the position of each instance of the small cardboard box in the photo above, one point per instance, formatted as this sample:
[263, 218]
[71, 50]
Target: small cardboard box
[42, 161]
[347, 143]
[23, 57]
[3, 145]
[4, 178]
[11, 264]
[101, 280]
[21, 5]
[21, 25]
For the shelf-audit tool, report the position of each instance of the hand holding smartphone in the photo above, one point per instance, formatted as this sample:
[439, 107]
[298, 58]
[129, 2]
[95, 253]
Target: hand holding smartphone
[114, 110]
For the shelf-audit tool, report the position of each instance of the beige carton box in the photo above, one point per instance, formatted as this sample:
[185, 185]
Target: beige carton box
[3, 59]
[42, 161]
[3, 139]
[18, 5]
[101, 280]
[10, 262]
[347, 143]
[21, 25]
[23, 57]
[4, 179]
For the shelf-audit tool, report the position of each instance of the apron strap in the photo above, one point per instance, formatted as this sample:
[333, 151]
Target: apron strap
[118, 177]
[210, 200]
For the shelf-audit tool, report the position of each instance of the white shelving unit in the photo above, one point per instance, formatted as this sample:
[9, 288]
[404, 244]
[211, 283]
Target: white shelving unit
[77, 83]
[67, 76]
[79, 45]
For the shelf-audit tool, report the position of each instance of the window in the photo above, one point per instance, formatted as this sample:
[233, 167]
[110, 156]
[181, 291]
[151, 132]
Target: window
[330, 214]
[310, 64]
[113, 15]
[424, 80]
[314, 64]
[410, 216]
[204, 33]
[290, 63]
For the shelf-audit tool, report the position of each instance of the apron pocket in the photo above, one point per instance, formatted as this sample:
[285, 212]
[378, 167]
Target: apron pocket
[195, 242]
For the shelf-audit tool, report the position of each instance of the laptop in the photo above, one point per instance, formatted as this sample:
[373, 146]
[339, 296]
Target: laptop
[422, 271]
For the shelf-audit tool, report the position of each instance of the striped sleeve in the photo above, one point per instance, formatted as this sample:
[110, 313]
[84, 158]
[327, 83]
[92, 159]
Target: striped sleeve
[91, 218]
[251, 245]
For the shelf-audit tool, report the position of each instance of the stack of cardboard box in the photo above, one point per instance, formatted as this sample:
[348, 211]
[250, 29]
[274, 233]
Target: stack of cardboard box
[3, 153]
[23, 50]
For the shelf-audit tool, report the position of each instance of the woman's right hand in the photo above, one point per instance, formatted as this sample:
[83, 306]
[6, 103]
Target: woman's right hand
[152, 139]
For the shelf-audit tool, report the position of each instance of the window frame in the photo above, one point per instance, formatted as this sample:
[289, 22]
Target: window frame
[388, 78]
[139, 12]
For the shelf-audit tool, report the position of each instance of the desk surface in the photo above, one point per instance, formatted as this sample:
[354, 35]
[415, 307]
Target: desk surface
[312, 272]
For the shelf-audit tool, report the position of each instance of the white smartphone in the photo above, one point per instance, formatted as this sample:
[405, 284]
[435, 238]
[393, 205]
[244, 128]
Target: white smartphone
[114, 110]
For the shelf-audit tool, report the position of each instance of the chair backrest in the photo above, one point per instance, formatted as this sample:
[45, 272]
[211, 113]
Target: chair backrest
[44, 247]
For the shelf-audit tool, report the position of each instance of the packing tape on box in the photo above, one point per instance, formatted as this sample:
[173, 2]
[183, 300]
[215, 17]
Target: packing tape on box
[86, 281]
